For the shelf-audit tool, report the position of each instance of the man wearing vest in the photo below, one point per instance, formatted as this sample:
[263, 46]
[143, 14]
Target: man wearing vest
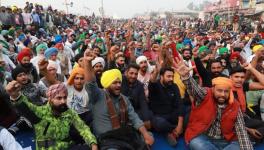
[112, 111]
[216, 121]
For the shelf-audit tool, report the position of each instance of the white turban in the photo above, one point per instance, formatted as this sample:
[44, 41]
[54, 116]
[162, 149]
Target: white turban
[98, 60]
[52, 64]
[140, 59]
[144, 58]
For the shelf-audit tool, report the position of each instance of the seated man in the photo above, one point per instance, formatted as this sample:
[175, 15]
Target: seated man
[134, 90]
[166, 105]
[255, 127]
[35, 92]
[52, 122]
[113, 112]
[216, 120]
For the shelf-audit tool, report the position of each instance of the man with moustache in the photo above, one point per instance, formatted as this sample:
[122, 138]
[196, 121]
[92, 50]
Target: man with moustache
[187, 56]
[98, 65]
[113, 114]
[134, 90]
[166, 105]
[215, 70]
[52, 122]
[24, 58]
[216, 120]
[144, 72]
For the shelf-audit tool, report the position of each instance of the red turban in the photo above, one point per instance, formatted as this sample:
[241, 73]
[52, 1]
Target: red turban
[234, 55]
[22, 54]
[59, 46]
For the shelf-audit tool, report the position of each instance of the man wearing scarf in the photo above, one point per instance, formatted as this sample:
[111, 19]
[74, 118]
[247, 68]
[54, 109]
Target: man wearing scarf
[111, 110]
[52, 121]
[216, 120]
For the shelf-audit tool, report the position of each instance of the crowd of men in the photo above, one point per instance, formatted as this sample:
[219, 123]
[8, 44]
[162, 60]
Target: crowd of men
[83, 82]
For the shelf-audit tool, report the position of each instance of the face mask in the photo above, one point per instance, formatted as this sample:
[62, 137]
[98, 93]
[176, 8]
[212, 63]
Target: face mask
[61, 108]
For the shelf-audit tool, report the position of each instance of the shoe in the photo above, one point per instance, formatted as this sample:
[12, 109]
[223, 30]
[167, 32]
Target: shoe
[171, 138]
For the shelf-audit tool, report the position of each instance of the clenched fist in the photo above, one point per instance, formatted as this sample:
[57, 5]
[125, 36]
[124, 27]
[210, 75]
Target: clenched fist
[13, 88]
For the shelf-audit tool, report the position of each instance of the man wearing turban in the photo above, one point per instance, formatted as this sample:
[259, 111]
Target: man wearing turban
[144, 73]
[24, 58]
[51, 55]
[54, 118]
[215, 116]
[40, 49]
[98, 65]
[110, 108]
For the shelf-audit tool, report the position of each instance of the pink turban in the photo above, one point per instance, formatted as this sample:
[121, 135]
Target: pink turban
[56, 89]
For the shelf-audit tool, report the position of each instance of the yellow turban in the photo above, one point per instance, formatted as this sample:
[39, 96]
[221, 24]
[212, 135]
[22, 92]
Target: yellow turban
[75, 71]
[110, 76]
[225, 82]
[256, 48]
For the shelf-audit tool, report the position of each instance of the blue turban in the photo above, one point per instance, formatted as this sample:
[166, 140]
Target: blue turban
[21, 37]
[50, 51]
[57, 39]
[187, 42]
[261, 42]
[26, 42]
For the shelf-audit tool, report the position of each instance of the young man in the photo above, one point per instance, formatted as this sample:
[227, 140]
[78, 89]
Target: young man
[53, 121]
[144, 72]
[238, 76]
[134, 90]
[216, 120]
[166, 105]
[108, 105]
[35, 92]
[78, 98]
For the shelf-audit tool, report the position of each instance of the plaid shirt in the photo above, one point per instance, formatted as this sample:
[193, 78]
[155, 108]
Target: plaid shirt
[215, 131]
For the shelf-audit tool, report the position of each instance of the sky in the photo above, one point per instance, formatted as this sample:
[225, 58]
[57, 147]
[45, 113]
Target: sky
[118, 8]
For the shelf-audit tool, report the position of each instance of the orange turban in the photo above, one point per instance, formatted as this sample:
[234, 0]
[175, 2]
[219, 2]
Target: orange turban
[75, 71]
[225, 82]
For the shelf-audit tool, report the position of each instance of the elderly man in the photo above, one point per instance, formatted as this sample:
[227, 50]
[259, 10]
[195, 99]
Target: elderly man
[216, 120]
[53, 121]
[112, 111]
